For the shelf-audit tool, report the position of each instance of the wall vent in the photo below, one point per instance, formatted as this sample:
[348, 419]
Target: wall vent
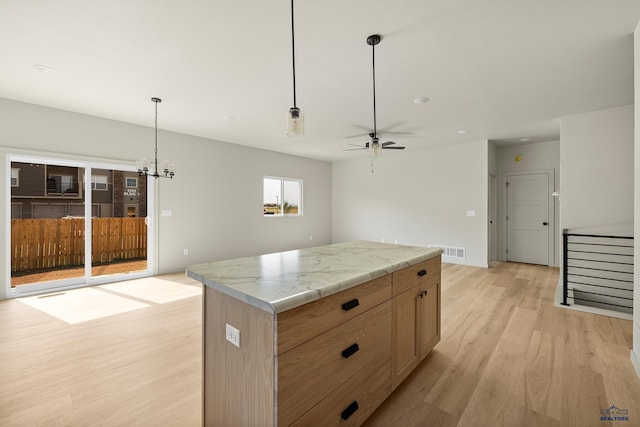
[451, 251]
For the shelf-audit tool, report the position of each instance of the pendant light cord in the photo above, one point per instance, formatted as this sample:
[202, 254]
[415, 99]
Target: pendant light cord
[293, 54]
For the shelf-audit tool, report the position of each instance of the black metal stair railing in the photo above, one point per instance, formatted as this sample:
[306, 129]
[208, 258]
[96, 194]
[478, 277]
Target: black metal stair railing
[598, 271]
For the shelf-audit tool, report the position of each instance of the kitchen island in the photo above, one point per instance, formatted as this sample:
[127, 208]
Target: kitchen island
[315, 336]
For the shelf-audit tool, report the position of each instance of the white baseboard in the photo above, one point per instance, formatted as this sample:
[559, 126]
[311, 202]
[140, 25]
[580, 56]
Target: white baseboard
[635, 361]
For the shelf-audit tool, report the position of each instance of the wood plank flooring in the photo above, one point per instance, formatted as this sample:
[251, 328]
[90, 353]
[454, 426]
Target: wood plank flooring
[508, 357]
[140, 368]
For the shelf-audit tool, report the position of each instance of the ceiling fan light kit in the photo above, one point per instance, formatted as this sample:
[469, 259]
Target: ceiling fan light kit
[295, 117]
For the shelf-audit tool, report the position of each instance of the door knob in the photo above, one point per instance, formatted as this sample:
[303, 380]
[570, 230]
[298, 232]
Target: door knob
[545, 223]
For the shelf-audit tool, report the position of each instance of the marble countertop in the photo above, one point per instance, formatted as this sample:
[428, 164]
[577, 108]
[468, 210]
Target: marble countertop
[284, 280]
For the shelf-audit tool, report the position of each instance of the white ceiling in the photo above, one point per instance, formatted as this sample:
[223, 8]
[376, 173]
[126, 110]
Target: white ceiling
[501, 69]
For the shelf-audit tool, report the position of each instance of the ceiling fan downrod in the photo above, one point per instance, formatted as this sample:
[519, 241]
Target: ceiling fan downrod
[372, 41]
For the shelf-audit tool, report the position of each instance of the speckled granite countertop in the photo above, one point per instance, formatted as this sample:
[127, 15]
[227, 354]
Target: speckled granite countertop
[284, 280]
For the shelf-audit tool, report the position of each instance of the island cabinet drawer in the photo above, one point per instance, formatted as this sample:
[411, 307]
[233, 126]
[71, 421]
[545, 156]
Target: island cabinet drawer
[302, 323]
[415, 274]
[313, 370]
[353, 402]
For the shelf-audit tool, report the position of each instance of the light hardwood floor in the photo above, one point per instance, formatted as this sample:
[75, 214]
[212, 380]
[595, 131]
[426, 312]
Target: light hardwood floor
[508, 357]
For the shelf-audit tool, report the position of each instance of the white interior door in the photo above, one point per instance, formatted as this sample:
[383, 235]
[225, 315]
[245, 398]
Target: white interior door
[528, 219]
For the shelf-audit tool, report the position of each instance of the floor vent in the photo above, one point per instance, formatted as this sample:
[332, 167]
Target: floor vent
[451, 251]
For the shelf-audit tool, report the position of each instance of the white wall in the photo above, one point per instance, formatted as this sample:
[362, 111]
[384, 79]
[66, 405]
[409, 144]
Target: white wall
[535, 157]
[596, 157]
[216, 196]
[635, 354]
[417, 197]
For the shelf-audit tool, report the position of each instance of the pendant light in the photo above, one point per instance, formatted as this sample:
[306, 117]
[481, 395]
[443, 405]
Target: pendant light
[143, 166]
[295, 117]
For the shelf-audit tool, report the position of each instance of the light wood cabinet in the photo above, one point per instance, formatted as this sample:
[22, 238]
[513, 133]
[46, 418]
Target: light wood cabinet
[310, 320]
[430, 317]
[312, 371]
[405, 348]
[416, 317]
[331, 361]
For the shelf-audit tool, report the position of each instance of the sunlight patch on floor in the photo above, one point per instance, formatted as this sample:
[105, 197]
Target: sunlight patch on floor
[81, 305]
[153, 289]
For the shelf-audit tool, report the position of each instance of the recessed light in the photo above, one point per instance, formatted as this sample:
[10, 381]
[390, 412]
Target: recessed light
[45, 68]
[524, 139]
[227, 118]
[461, 131]
[421, 100]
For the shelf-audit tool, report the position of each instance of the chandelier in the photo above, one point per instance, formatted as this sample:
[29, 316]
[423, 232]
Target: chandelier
[143, 165]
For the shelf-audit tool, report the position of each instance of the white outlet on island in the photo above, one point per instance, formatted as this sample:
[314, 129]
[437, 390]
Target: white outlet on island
[233, 335]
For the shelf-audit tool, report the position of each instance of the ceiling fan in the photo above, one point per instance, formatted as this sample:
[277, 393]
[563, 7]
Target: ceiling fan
[374, 146]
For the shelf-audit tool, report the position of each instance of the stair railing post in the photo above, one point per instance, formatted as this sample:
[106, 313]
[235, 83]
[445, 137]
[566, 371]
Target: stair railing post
[565, 267]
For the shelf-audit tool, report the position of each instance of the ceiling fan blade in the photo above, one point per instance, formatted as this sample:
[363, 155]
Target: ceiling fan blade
[393, 148]
[391, 126]
[366, 130]
[387, 129]
[355, 149]
[384, 144]
[396, 133]
[359, 135]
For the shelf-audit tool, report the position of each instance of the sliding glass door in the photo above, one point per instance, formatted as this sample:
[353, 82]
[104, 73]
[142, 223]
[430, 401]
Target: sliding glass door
[119, 234]
[75, 223]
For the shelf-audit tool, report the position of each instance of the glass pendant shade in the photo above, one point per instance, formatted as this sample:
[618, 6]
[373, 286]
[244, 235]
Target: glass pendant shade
[295, 122]
[375, 149]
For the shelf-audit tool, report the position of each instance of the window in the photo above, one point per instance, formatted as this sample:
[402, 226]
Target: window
[16, 210]
[62, 184]
[132, 182]
[282, 197]
[99, 182]
[15, 177]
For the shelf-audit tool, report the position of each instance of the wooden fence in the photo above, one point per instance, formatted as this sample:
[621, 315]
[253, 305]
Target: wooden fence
[42, 244]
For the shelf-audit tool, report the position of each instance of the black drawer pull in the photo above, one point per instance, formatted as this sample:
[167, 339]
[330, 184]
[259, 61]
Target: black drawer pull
[422, 273]
[350, 304]
[350, 351]
[351, 409]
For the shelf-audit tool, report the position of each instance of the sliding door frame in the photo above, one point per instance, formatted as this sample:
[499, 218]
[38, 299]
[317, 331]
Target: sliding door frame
[87, 279]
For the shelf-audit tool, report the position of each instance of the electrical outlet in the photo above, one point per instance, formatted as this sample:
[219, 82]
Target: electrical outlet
[233, 335]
